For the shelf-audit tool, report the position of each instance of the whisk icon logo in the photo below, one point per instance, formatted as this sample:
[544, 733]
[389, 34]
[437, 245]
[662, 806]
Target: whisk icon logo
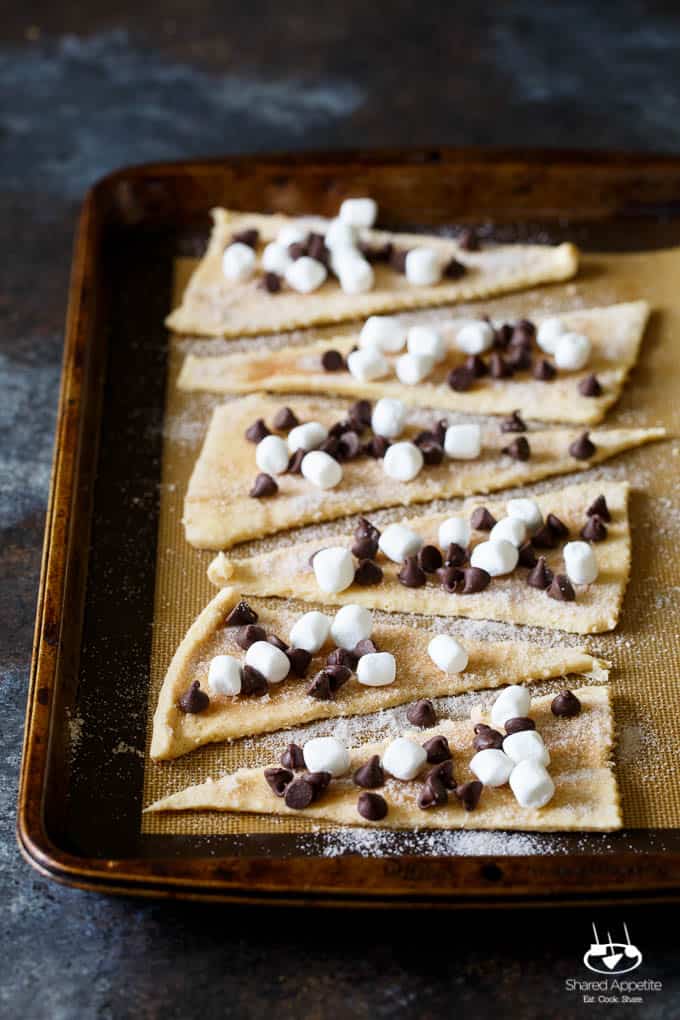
[612, 957]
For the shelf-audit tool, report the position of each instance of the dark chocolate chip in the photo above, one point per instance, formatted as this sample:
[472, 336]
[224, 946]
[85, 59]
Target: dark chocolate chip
[499, 367]
[376, 252]
[248, 635]
[278, 779]
[513, 423]
[475, 580]
[371, 775]
[519, 723]
[422, 714]
[271, 282]
[253, 683]
[297, 249]
[332, 361]
[430, 559]
[424, 437]
[432, 453]
[398, 260]
[482, 519]
[527, 556]
[461, 378]
[295, 462]
[331, 446]
[338, 674]
[349, 445]
[487, 738]
[367, 574]
[263, 487]
[372, 806]
[524, 330]
[249, 237]
[299, 794]
[293, 758]
[480, 726]
[565, 704]
[285, 419]
[299, 659]
[241, 615]
[316, 249]
[256, 432]
[439, 431]
[360, 413]
[365, 529]
[541, 576]
[519, 359]
[277, 642]
[319, 781]
[194, 700]
[339, 428]
[582, 448]
[432, 793]
[518, 449]
[437, 749]
[477, 365]
[455, 556]
[469, 793]
[599, 507]
[321, 687]
[364, 647]
[544, 370]
[503, 336]
[594, 530]
[342, 657]
[377, 447]
[468, 239]
[411, 574]
[452, 579]
[544, 538]
[561, 590]
[444, 773]
[453, 270]
[558, 527]
[590, 386]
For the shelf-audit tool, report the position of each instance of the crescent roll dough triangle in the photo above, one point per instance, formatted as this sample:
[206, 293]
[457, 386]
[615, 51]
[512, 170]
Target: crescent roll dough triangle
[615, 333]
[285, 571]
[218, 512]
[214, 306]
[490, 665]
[586, 795]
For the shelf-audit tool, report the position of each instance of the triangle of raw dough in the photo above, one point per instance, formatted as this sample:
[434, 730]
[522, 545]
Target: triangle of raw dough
[615, 333]
[285, 571]
[218, 512]
[586, 796]
[491, 664]
[214, 306]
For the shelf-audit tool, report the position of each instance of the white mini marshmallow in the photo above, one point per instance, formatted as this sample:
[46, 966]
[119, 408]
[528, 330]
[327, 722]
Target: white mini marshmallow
[572, 351]
[492, 767]
[447, 654]
[404, 758]
[359, 212]
[271, 455]
[306, 274]
[238, 261]
[513, 702]
[526, 510]
[423, 267]
[367, 364]
[426, 340]
[509, 529]
[384, 332]
[268, 660]
[580, 562]
[321, 469]
[333, 569]
[224, 675]
[497, 557]
[397, 542]
[292, 233]
[310, 631]
[377, 669]
[388, 418]
[454, 530]
[307, 437]
[475, 337]
[350, 625]
[275, 258]
[463, 442]
[403, 461]
[549, 332]
[411, 369]
[340, 234]
[526, 744]
[326, 754]
[531, 784]
[355, 274]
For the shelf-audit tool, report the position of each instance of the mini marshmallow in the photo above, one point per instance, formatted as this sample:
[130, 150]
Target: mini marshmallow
[423, 267]
[310, 631]
[463, 442]
[355, 274]
[475, 337]
[351, 625]
[580, 562]
[526, 510]
[268, 660]
[388, 418]
[359, 212]
[404, 758]
[411, 369]
[384, 332]
[367, 364]
[447, 654]
[403, 461]
[426, 340]
[526, 744]
[513, 702]
[333, 569]
[292, 233]
[397, 542]
[224, 675]
[307, 437]
[549, 332]
[321, 469]
[454, 530]
[306, 274]
[275, 258]
[271, 455]
[572, 351]
[340, 234]
[496, 557]
[377, 669]
[492, 767]
[531, 784]
[510, 529]
[238, 261]
[326, 754]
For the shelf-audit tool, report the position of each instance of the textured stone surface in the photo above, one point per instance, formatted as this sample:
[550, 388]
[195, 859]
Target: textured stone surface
[87, 88]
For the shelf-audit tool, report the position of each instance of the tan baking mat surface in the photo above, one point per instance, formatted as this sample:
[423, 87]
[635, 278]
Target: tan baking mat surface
[645, 649]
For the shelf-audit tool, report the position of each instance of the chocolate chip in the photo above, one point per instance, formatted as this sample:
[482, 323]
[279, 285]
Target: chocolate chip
[339, 428]
[453, 270]
[271, 282]
[452, 579]
[371, 775]
[519, 723]
[376, 252]
[295, 462]
[248, 635]
[513, 423]
[272, 639]
[590, 386]
[398, 260]
[411, 574]
[461, 378]
[256, 432]
[519, 359]
[475, 580]
[278, 779]
[444, 773]
[482, 520]
[364, 647]
[299, 659]
[372, 806]
[316, 249]
[503, 336]
[468, 794]
[561, 589]
[518, 449]
[558, 527]
[432, 793]
[487, 738]
[367, 574]
[338, 674]
[430, 559]
[285, 419]
[544, 370]
[299, 794]
[365, 529]
[263, 487]
[476, 364]
[594, 530]
[331, 446]
[342, 657]
[241, 615]
[349, 446]
[293, 758]
[194, 700]
[321, 687]
[468, 239]
[455, 556]
[319, 782]
[545, 538]
[527, 556]
[582, 448]
[437, 749]
[297, 249]
[365, 547]
[478, 727]
[249, 237]
[360, 413]
[432, 453]
[499, 367]
[565, 704]
[541, 576]
[524, 331]
[377, 447]
[332, 361]
[422, 714]
[253, 683]
[439, 431]
[599, 507]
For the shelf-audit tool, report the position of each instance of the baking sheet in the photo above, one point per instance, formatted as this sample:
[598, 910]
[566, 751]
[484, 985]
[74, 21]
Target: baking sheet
[645, 648]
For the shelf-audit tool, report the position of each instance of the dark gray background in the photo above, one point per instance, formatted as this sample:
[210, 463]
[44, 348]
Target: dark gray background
[85, 88]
